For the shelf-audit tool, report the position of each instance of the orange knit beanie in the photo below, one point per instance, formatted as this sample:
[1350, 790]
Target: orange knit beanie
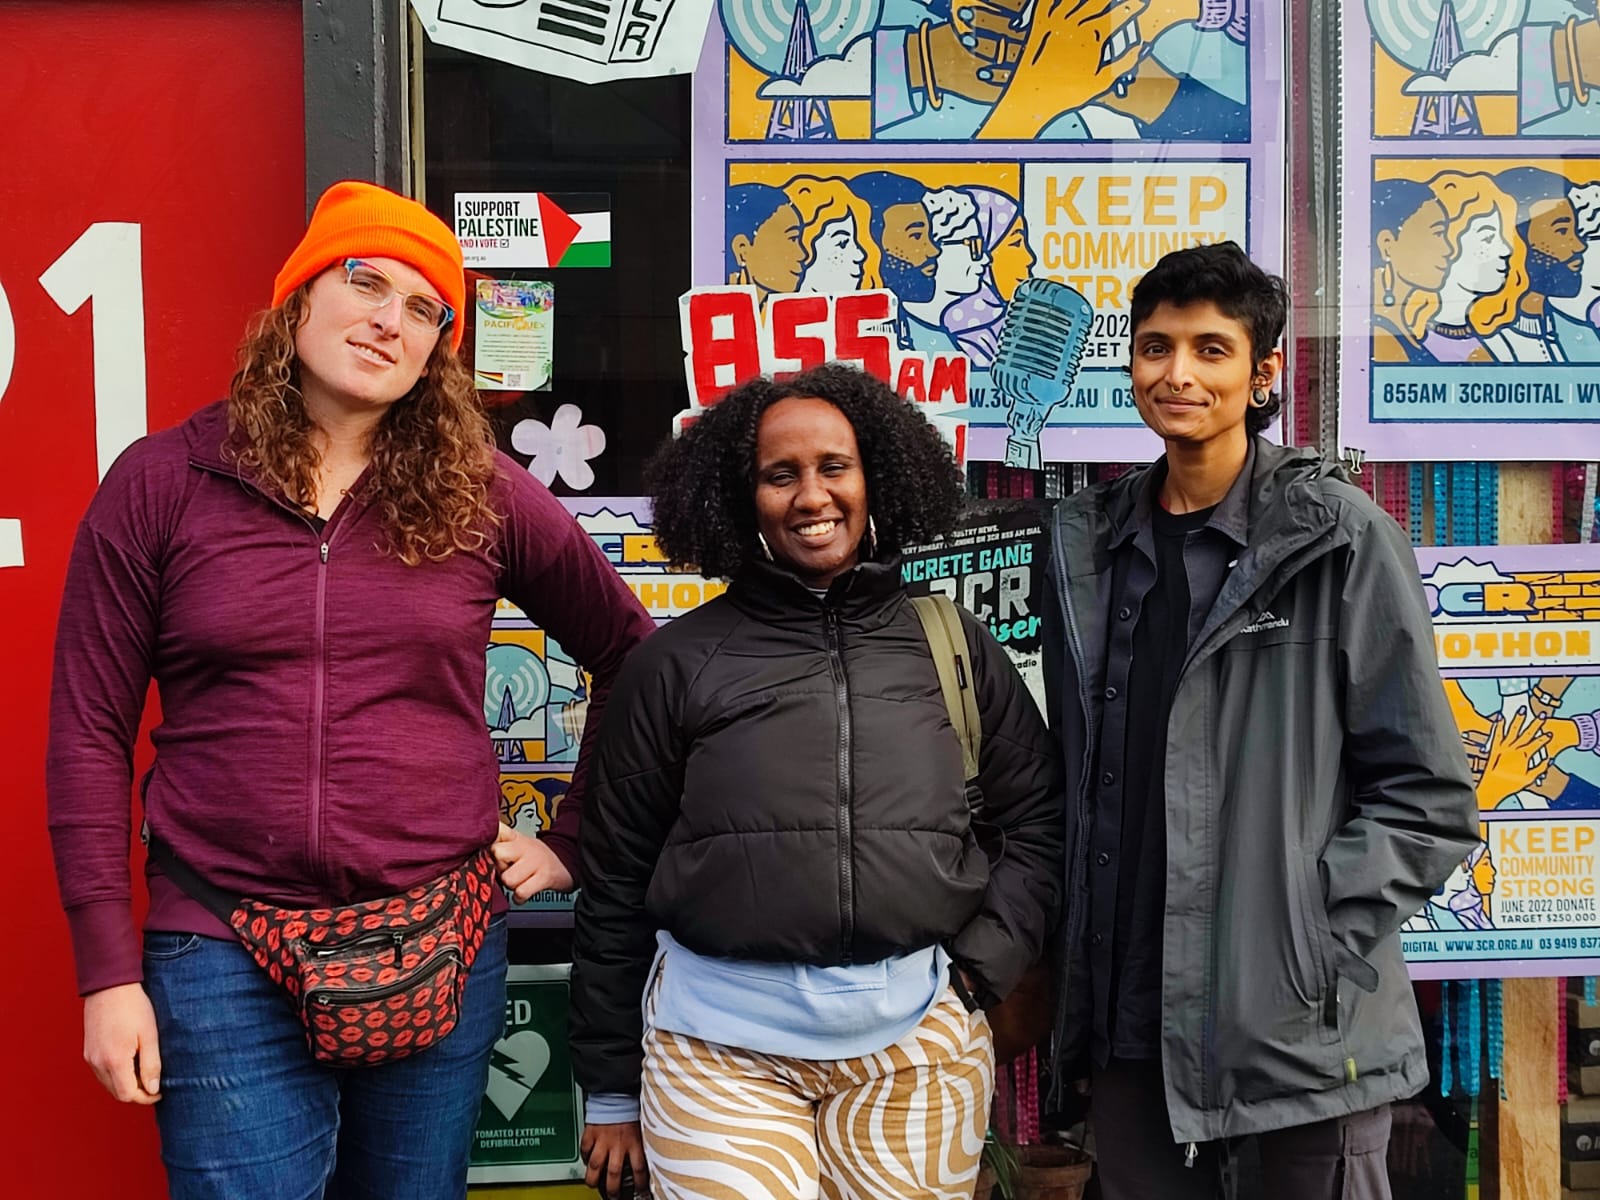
[354, 220]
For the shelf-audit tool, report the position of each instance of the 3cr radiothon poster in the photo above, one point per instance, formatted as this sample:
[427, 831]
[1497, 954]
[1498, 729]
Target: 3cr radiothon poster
[991, 164]
[1470, 231]
[536, 697]
[1517, 632]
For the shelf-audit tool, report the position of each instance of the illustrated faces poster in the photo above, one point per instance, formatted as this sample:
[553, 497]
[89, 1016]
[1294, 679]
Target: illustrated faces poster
[1470, 237]
[1518, 636]
[953, 152]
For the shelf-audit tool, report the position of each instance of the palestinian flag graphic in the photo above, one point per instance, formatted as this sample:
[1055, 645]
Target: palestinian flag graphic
[584, 219]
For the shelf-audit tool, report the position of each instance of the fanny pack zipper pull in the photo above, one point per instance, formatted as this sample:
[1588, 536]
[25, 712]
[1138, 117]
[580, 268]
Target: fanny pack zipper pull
[1189, 1154]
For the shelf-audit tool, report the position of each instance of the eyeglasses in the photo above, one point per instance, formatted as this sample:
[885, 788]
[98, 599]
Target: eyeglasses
[371, 286]
[974, 245]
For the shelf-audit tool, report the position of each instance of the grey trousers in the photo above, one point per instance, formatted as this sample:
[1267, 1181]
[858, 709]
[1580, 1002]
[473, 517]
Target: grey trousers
[1340, 1159]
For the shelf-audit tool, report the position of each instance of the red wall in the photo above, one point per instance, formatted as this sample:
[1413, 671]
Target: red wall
[184, 118]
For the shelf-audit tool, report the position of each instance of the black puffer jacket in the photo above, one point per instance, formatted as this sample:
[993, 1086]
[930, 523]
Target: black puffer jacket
[777, 780]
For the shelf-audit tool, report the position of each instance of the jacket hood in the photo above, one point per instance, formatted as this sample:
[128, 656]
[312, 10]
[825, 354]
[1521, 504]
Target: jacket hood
[1287, 503]
[1284, 478]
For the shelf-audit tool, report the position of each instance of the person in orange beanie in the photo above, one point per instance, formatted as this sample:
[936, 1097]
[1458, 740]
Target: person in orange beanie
[308, 571]
[364, 220]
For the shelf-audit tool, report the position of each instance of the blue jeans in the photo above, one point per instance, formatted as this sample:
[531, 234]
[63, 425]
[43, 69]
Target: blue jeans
[247, 1113]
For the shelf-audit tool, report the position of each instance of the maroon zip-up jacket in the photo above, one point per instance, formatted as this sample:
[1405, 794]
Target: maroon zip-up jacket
[322, 736]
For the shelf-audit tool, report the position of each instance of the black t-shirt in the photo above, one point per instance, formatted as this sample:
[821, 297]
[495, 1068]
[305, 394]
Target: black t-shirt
[1160, 645]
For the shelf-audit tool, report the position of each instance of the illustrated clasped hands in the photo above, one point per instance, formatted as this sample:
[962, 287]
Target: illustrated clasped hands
[1033, 61]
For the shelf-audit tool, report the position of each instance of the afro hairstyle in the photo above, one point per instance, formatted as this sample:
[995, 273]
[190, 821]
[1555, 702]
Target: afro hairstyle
[702, 484]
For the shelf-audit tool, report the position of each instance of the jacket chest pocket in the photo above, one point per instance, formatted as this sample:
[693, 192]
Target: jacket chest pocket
[1273, 628]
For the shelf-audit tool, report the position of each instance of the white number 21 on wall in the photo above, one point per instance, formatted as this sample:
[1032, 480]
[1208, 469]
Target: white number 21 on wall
[102, 266]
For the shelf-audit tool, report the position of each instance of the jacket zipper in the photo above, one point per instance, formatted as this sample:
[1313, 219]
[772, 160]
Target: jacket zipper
[319, 680]
[1222, 633]
[319, 641]
[1075, 645]
[841, 695]
[1085, 781]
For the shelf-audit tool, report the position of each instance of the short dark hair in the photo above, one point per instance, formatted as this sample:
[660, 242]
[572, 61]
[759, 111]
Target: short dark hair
[749, 206]
[883, 190]
[1394, 202]
[702, 484]
[1529, 186]
[1224, 275]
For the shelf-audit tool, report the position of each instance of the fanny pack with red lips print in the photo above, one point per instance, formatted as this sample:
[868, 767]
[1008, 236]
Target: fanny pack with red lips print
[372, 982]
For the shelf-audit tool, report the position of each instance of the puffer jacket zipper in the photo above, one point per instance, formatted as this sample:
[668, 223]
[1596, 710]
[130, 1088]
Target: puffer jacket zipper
[845, 785]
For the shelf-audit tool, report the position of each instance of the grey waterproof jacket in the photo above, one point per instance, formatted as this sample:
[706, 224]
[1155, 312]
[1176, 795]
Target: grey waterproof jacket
[1317, 794]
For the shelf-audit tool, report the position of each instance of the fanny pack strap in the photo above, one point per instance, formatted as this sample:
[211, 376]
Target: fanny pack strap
[215, 901]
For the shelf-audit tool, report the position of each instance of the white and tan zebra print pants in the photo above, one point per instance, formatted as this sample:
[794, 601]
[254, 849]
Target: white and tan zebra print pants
[906, 1123]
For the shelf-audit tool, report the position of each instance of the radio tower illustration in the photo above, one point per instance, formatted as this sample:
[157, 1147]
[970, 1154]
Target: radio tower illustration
[800, 118]
[508, 750]
[1446, 114]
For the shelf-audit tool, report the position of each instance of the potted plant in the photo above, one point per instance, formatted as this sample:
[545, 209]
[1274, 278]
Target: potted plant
[1052, 1171]
[1000, 1168]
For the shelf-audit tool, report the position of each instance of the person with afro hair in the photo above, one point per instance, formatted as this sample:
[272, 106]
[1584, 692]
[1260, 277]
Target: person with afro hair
[789, 928]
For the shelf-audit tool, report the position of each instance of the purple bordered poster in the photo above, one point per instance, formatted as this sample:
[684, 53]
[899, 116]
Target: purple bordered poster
[1468, 243]
[952, 150]
[1517, 630]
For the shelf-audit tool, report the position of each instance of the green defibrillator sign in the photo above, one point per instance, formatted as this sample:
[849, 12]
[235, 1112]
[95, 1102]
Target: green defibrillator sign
[531, 1119]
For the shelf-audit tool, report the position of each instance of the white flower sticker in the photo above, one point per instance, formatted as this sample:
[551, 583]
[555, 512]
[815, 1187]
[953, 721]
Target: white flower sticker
[562, 447]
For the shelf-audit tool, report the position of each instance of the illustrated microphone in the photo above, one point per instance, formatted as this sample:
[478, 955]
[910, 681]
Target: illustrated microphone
[1047, 327]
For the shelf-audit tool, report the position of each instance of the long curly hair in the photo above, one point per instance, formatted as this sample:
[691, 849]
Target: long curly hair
[819, 201]
[702, 484]
[1466, 198]
[432, 453]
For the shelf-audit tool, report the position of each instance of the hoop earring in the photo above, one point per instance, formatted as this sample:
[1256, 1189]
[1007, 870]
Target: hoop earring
[766, 550]
[872, 537]
[1388, 282]
[1258, 398]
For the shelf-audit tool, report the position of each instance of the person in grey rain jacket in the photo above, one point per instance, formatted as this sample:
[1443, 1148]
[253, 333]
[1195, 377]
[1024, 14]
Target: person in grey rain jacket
[1263, 777]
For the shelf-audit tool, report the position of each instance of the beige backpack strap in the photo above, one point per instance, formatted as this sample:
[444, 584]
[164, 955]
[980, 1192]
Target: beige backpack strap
[941, 623]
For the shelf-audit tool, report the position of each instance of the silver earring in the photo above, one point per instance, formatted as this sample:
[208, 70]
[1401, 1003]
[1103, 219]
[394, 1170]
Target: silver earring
[766, 550]
[1258, 398]
[872, 537]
